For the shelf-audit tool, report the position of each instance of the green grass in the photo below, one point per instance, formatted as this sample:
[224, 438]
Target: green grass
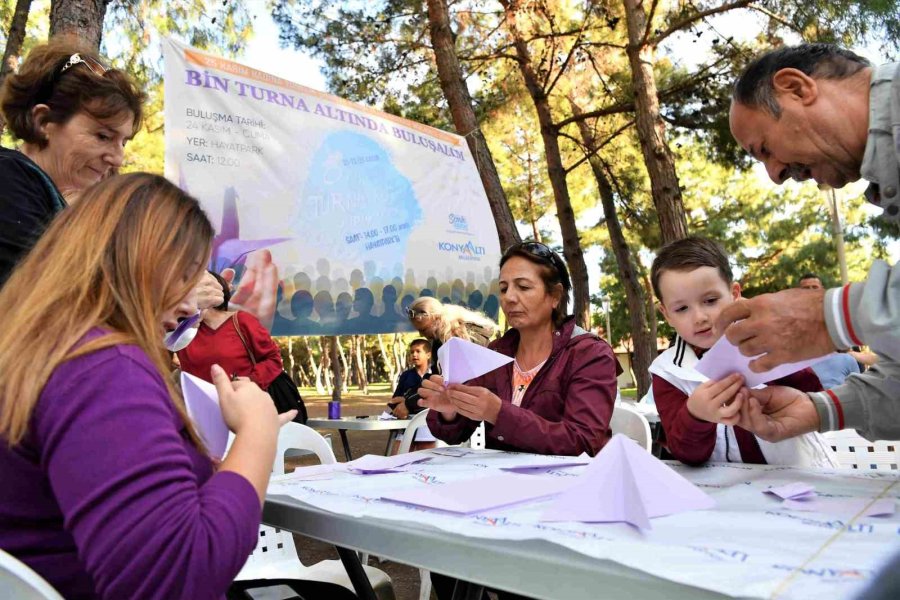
[629, 392]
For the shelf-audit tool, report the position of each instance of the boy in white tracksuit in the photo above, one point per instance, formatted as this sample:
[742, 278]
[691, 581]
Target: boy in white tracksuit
[693, 283]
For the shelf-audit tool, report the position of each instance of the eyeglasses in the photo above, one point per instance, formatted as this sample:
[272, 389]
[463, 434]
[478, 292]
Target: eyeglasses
[96, 67]
[415, 315]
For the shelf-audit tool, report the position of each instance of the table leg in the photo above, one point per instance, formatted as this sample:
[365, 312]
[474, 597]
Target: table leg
[466, 590]
[387, 450]
[361, 584]
[346, 444]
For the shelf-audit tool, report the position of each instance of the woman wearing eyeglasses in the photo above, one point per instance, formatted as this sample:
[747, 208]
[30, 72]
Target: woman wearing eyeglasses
[73, 117]
[557, 396]
[438, 322]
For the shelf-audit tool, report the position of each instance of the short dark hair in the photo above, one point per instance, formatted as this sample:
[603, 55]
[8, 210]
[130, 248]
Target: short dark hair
[420, 342]
[754, 87]
[226, 291]
[688, 254]
[810, 276]
[553, 272]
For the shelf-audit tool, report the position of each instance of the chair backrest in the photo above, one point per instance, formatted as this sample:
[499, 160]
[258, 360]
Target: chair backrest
[19, 582]
[294, 436]
[628, 421]
[409, 434]
[856, 452]
[275, 547]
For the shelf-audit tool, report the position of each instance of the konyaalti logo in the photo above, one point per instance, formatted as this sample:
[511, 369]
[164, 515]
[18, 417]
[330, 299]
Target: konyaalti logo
[459, 223]
[467, 251]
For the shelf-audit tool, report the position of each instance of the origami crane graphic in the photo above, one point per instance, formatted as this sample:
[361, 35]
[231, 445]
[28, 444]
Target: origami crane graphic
[228, 249]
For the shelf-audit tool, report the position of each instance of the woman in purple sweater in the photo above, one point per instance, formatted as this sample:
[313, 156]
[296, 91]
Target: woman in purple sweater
[107, 491]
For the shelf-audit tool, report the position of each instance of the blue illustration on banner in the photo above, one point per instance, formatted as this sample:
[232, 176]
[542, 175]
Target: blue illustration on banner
[356, 204]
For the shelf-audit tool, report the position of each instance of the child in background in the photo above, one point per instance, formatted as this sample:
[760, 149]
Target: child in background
[404, 403]
[693, 282]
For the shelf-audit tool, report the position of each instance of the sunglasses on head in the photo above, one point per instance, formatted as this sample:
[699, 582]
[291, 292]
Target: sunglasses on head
[416, 314]
[96, 67]
[544, 252]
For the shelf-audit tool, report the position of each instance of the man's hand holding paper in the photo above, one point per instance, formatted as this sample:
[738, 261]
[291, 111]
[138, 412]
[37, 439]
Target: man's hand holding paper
[777, 412]
[778, 328]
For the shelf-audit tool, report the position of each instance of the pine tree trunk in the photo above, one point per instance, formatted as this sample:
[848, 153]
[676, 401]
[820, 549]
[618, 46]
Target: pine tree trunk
[325, 364]
[651, 312]
[557, 173]
[457, 94]
[652, 129]
[81, 18]
[314, 367]
[345, 366]
[389, 363]
[292, 364]
[644, 345]
[337, 381]
[15, 38]
[359, 363]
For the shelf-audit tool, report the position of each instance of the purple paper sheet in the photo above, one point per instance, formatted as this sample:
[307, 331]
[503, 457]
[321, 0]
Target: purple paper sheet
[202, 402]
[627, 484]
[792, 491]
[724, 358]
[481, 494]
[462, 360]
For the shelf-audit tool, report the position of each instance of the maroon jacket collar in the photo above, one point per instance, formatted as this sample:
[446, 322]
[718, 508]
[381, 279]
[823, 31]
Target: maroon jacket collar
[509, 343]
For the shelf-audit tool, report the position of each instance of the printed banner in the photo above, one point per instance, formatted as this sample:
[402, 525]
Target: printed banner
[362, 211]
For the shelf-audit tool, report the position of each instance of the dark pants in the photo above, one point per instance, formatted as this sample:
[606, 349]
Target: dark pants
[305, 590]
[443, 588]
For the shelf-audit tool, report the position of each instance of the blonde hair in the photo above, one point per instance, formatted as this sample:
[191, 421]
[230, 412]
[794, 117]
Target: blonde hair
[450, 320]
[131, 248]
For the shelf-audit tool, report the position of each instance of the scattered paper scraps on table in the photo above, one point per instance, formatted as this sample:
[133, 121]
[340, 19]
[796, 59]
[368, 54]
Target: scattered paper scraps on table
[371, 464]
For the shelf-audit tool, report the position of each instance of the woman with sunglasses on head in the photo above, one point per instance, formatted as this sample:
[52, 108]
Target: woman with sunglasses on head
[438, 322]
[108, 491]
[557, 396]
[73, 116]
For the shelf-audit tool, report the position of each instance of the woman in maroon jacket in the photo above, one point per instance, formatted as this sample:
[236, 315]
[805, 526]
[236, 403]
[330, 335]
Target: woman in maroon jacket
[557, 396]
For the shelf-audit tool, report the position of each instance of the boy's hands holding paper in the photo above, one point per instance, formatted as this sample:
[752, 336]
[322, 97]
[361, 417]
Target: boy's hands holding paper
[718, 401]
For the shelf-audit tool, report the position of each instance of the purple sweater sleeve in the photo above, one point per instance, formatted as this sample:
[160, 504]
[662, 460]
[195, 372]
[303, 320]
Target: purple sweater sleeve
[130, 487]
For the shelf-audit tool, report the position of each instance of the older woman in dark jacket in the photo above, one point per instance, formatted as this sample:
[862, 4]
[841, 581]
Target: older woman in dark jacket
[557, 396]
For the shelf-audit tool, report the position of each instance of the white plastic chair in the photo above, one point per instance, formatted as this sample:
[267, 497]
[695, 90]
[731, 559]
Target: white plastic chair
[856, 452]
[275, 555]
[409, 434]
[628, 421]
[19, 582]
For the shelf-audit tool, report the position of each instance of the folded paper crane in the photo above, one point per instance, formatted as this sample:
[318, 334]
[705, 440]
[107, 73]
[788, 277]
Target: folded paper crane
[462, 360]
[627, 484]
[202, 402]
[724, 358]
